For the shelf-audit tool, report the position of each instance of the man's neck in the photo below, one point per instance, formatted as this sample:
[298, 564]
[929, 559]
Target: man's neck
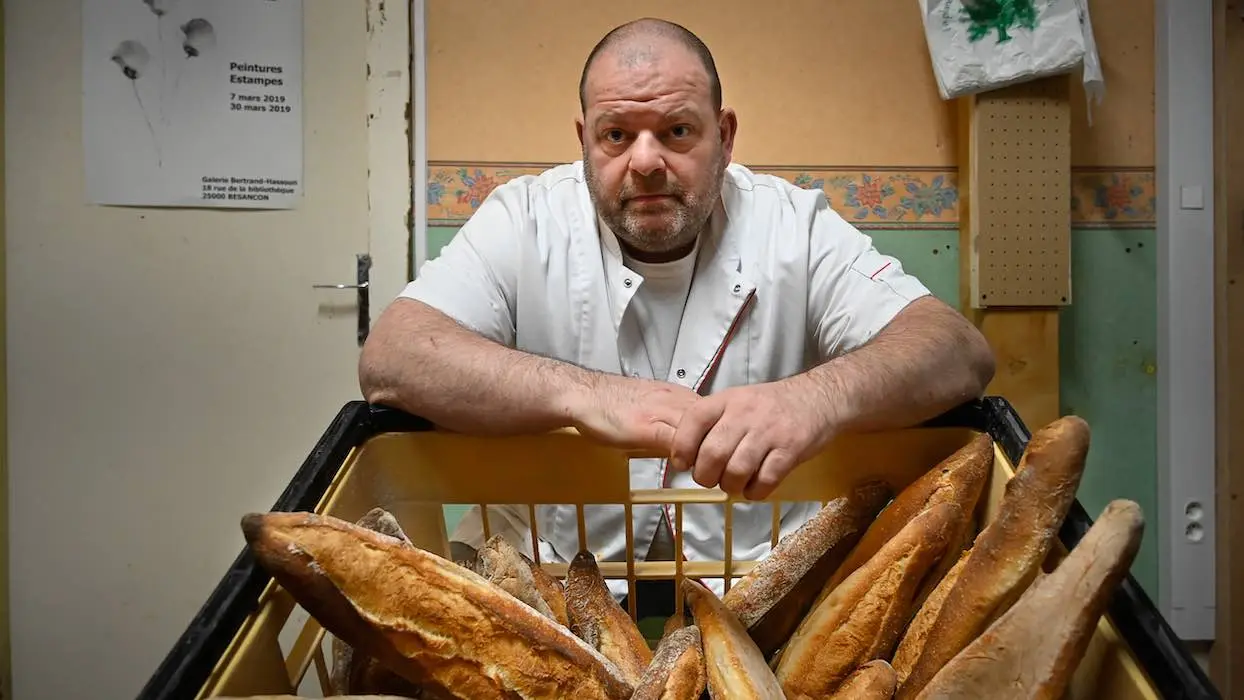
[657, 258]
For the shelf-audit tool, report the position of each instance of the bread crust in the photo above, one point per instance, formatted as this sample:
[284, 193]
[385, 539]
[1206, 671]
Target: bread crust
[442, 627]
[863, 617]
[1033, 650]
[677, 668]
[601, 622]
[958, 479]
[1008, 553]
[499, 562]
[917, 632]
[357, 673]
[550, 589]
[778, 592]
[734, 666]
[874, 680]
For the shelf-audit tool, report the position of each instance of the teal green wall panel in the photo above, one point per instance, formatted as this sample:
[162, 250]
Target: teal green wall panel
[930, 255]
[1108, 350]
[438, 237]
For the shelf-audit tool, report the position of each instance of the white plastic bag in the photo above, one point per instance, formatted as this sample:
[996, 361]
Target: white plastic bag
[979, 45]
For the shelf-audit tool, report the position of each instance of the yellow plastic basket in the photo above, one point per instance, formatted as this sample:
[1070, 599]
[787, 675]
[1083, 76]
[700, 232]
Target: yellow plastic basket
[251, 638]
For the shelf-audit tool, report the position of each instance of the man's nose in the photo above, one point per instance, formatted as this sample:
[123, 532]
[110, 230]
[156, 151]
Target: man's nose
[646, 155]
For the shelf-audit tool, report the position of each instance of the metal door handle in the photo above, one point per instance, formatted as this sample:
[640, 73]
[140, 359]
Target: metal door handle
[364, 298]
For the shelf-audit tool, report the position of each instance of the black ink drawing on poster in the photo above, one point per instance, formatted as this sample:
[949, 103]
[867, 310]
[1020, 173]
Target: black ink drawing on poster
[193, 102]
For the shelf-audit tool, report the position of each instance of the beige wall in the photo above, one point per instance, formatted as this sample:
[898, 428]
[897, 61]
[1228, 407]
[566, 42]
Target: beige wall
[814, 82]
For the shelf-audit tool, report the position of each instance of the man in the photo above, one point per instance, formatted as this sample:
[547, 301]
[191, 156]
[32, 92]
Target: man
[656, 296]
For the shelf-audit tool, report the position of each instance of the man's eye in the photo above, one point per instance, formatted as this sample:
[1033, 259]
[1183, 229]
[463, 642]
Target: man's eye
[681, 131]
[614, 135]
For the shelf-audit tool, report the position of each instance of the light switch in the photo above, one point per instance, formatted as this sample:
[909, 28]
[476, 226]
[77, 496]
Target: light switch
[1191, 198]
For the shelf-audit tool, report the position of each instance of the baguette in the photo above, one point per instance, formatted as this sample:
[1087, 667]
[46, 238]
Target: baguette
[1007, 554]
[734, 666]
[958, 479]
[358, 673]
[917, 631]
[440, 626]
[874, 680]
[499, 562]
[862, 618]
[1032, 650]
[601, 622]
[550, 589]
[677, 668]
[778, 592]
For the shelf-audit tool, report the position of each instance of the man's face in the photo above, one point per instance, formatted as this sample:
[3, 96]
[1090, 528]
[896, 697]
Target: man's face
[654, 149]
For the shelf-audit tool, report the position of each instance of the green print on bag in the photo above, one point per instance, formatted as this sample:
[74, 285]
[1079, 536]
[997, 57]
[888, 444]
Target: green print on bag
[986, 16]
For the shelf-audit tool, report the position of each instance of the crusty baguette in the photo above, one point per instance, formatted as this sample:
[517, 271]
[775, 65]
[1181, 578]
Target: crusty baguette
[734, 666]
[874, 680]
[442, 627]
[550, 589]
[600, 621]
[1008, 552]
[913, 638]
[677, 668]
[1033, 649]
[862, 618]
[958, 479]
[499, 562]
[355, 673]
[778, 592]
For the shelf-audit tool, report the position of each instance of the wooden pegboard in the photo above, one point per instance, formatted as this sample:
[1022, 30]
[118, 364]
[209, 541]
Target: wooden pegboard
[1018, 174]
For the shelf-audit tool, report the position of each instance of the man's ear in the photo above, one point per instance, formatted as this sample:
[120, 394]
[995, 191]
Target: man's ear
[728, 124]
[578, 128]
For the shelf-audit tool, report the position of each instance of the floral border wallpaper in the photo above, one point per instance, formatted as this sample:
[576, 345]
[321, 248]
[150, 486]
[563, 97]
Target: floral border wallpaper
[869, 197]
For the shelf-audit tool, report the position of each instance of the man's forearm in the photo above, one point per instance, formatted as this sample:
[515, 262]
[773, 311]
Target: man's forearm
[422, 362]
[927, 361]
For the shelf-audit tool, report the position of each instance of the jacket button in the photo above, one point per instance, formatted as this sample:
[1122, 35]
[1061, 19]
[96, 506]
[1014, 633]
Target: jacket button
[682, 373]
[626, 282]
[738, 288]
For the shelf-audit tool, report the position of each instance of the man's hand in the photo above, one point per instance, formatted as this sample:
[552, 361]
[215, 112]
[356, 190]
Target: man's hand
[631, 414]
[747, 439]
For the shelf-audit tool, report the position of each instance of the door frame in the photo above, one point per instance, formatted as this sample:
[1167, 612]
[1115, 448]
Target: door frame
[390, 204]
[1228, 197]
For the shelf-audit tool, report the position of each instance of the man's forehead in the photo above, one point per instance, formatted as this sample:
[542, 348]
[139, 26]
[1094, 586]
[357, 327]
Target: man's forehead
[644, 77]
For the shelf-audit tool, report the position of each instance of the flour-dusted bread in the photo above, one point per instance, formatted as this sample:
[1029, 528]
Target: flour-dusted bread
[874, 680]
[1007, 554]
[778, 592]
[600, 621]
[1032, 650]
[958, 479]
[499, 562]
[677, 668]
[438, 625]
[861, 619]
[358, 673]
[734, 666]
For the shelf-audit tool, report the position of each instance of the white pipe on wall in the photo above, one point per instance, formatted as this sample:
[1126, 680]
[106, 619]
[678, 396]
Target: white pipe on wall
[1185, 232]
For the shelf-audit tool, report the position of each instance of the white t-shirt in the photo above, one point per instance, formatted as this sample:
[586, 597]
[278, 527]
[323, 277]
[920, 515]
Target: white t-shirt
[656, 317]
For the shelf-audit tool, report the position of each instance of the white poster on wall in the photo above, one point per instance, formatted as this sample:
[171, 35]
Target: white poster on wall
[193, 102]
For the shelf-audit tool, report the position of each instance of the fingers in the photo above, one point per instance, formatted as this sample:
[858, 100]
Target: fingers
[742, 466]
[776, 465]
[716, 452]
[693, 429]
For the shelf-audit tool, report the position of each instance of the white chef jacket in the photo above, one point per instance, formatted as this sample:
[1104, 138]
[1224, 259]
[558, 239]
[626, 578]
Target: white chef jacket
[782, 283]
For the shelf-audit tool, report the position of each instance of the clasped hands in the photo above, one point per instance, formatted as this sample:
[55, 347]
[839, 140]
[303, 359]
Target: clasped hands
[745, 439]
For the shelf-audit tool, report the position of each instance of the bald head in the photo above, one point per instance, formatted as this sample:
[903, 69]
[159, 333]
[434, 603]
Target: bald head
[641, 41]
